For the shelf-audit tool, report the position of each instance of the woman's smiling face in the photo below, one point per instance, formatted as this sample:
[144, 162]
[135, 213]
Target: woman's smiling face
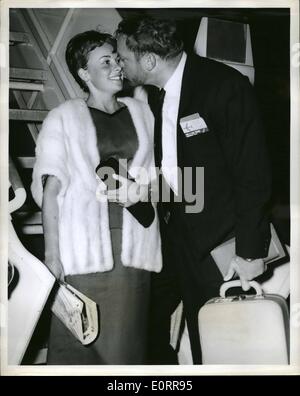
[103, 70]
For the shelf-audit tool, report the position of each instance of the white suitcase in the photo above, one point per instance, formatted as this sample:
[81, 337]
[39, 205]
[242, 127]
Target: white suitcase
[244, 329]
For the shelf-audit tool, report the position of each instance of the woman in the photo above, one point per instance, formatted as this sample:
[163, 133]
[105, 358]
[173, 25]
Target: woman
[99, 247]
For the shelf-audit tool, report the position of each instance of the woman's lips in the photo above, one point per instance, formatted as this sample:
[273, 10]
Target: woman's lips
[117, 77]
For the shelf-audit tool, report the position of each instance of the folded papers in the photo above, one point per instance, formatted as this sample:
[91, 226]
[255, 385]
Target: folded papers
[224, 253]
[77, 312]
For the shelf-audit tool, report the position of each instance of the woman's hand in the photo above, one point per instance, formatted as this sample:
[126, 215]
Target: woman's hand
[55, 266]
[128, 194]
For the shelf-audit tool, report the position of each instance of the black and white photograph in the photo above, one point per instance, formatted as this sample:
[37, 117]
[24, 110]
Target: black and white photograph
[150, 195]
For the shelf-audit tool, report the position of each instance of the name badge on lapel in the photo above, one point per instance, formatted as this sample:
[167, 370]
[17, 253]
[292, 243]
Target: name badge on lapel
[193, 125]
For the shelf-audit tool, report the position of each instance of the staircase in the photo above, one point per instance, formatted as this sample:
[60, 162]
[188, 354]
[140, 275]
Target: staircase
[34, 90]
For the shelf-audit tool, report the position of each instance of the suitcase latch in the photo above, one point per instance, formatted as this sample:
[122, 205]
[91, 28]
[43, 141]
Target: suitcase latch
[239, 298]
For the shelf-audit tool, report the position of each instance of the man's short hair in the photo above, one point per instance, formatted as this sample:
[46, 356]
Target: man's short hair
[78, 49]
[151, 35]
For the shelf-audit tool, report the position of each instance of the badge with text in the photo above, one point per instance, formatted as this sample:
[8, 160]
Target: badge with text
[193, 125]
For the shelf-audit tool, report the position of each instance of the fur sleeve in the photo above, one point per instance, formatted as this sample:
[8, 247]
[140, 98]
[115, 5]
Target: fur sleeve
[143, 120]
[51, 156]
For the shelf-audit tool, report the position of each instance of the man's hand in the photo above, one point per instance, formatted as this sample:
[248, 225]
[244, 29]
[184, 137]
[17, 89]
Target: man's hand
[246, 270]
[128, 194]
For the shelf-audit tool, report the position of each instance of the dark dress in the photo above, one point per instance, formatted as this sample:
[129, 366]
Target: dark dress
[122, 293]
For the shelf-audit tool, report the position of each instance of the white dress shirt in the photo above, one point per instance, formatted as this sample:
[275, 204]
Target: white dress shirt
[169, 125]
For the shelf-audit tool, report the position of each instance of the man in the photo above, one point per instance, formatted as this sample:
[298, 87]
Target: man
[209, 120]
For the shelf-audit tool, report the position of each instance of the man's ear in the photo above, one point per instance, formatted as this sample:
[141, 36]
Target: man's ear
[83, 74]
[148, 61]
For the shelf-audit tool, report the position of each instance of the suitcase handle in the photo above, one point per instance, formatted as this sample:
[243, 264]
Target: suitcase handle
[237, 283]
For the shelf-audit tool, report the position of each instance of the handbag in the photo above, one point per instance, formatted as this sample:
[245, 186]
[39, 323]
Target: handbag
[224, 253]
[77, 312]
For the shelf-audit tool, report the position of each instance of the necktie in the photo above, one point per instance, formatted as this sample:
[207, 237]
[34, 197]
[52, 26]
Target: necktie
[164, 208]
[158, 127]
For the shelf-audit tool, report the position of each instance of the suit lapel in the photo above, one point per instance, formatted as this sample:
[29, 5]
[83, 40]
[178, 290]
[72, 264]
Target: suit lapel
[192, 98]
[186, 86]
[184, 106]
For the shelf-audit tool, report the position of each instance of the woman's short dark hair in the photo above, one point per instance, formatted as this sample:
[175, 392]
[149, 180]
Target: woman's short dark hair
[78, 49]
[151, 35]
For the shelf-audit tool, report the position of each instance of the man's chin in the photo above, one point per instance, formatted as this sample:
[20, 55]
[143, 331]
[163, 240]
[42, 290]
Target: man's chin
[129, 83]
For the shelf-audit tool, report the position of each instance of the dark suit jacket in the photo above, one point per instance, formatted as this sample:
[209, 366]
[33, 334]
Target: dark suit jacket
[237, 183]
